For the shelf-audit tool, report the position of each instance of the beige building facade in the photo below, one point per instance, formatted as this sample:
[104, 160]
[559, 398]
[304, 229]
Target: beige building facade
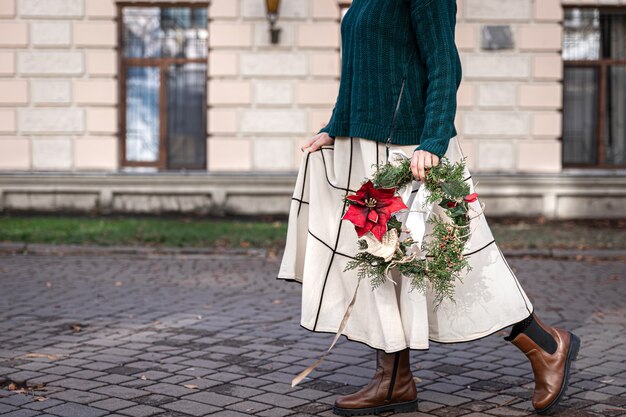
[186, 106]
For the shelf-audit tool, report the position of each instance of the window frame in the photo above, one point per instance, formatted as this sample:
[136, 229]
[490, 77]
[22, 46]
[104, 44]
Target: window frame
[602, 65]
[162, 63]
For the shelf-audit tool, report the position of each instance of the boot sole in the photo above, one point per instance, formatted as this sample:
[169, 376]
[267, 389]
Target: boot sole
[404, 407]
[571, 356]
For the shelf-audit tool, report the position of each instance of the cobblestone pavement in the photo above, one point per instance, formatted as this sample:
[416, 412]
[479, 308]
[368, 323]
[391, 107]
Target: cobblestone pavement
[218, 335]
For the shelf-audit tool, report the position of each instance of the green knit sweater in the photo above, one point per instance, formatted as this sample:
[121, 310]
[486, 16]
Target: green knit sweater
[384, 41]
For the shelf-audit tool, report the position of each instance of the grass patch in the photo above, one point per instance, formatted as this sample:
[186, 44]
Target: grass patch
[142, 231]
[562, 234]
[193, 232]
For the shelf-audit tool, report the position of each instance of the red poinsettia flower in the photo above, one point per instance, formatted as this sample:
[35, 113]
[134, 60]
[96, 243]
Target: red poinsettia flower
[451, 204]
[470, 198]
[371, 208]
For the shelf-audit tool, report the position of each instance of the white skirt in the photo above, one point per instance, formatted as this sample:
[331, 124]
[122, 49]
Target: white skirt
[391, 317]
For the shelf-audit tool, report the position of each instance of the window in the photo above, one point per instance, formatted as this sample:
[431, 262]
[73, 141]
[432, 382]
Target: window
[163, 66]
[594, 87]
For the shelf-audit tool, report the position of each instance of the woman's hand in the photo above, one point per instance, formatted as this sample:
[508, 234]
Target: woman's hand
[421, 163]
[317, 141]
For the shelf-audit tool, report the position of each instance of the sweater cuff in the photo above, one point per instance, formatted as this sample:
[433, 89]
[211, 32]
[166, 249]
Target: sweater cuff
[438, 148]
[326, 129]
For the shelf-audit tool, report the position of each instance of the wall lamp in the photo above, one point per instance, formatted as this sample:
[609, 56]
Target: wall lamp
[272, 7]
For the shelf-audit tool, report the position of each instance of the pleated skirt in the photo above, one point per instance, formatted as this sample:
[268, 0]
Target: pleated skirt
[487, 298]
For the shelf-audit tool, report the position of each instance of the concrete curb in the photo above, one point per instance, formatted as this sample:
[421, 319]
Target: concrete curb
[73, 250]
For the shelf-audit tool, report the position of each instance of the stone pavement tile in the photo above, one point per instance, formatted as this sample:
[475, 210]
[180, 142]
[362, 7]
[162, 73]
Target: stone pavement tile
[23, 376]
[275, 412]
[191, 407]
[75, 396]
[309, 394]
[222, 376]
[475, 394]
[606, 410]
[507, 412]
[235, 390]
[167, 389]
[212, 398]
[114, 379]
[427, 406]
[449, 411]
[22, 413]
[141, 411]
[441, 398]
[112, 404]
[120, 392]
[155, 400]
[40, 405]
[152, 375]
[87, 374]
[279, 400]
[137, 383]
[229, 413]
[477, 406]
[252, 382]
[312, 408]
[61, 370]
[280, 388]
[612, 390]
[100, 366]
[16, 399]
[201, 383]
[76, 410]
[44, 380]
[5, 408]
[179, 379]
[34, 366]
[502, 400]
[77, 384]
[444, 387]
[250, 407]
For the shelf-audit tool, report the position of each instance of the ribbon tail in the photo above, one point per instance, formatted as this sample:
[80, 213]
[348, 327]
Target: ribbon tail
[342, 326]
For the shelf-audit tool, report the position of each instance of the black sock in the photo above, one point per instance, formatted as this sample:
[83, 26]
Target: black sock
[533, 330]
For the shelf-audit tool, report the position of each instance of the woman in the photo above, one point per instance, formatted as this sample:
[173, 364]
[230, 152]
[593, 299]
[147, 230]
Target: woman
[399, 78]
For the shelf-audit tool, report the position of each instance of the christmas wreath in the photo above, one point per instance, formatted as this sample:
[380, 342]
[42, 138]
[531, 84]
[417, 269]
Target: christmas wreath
[384, 243]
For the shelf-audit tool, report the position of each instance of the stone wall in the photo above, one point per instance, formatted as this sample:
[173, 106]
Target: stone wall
[59, 100]
[265, 99]
[510, 100]
[58, 88]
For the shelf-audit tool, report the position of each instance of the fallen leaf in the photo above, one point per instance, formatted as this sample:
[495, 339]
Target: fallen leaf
[76, 327]
[118, 283]
[143, 377]
[191, 386]
[12, 387]
[41, 398]
[43, 355]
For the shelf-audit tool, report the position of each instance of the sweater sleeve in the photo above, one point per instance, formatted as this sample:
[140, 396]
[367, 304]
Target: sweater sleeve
[327, 127]
[433, 23]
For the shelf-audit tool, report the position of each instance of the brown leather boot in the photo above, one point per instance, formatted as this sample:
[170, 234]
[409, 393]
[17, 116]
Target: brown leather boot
[551, 370]
[391, 389]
